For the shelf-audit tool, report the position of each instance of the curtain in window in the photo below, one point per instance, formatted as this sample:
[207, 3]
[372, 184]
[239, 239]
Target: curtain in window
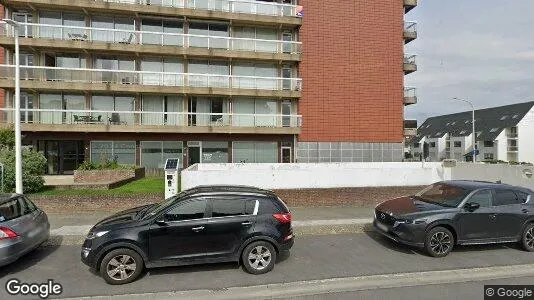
[50, 101]
[203, 111]
[243, 106]
[152, 104]
[174, 104]
[265, 107]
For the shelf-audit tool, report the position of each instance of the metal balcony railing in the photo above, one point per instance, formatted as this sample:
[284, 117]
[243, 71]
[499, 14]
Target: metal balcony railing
[102, 117]
[410, 59]
[127, 37]
[78, 75]
[410, 27]
[234, 6]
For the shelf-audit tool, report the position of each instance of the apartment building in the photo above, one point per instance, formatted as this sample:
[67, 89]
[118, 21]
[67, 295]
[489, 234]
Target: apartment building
[502, 133]
[207, 81]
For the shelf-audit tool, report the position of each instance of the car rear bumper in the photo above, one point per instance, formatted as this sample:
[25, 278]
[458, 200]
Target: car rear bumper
[12, 250]
[396, 235]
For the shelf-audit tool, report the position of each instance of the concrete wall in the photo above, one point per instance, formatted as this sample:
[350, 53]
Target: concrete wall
[321, 175]
[349, 175]
[514, 175]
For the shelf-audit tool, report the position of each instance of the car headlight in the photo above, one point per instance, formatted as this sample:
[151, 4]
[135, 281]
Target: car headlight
[93, 235]
[406, 221]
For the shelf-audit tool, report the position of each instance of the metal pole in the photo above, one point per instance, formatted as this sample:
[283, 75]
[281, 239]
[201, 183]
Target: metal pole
[18, 142]
[473, 124]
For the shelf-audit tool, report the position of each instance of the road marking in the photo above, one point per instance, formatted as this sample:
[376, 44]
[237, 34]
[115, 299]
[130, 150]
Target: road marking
[349, 284]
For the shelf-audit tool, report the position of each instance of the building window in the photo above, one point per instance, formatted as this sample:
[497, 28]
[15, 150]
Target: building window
[122, 151]
[169, 32]
[432, 144]
[155, 153]
[457, 144]
[163, 110]
[214, 152]
[255, 152]
[416, 145]
[488, 144]
[488, 156]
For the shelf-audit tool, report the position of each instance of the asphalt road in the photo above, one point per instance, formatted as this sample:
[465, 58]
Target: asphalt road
[313, 257]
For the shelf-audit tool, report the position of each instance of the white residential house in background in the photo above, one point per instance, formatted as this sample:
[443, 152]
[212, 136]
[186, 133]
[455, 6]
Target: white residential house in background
[503, 133]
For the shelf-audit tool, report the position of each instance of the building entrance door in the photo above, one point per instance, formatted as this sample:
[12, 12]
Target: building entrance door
[62, 157]
[194, 153]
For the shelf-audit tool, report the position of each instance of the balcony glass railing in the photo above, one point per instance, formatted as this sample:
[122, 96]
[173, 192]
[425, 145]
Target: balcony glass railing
[75, 75]
[234, 6]
[410, 92]
[102, 117]
[127, 37]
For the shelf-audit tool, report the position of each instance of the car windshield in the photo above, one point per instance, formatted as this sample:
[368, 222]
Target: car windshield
[442, 194]
[155, 209]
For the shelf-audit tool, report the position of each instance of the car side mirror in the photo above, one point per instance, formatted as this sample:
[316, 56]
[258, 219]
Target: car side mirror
[161, 221]
[471, 206]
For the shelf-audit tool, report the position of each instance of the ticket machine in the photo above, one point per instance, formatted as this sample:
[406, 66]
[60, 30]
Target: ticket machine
[172, 168]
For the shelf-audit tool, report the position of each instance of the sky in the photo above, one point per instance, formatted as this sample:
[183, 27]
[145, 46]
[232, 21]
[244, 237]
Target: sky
[479, 50]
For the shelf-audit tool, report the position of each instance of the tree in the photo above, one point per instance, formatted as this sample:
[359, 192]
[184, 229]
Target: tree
[33, 165]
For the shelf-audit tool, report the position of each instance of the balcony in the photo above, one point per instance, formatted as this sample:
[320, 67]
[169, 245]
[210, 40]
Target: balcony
[58, 79]
[410, 65]
[409, 5]
[410, 96]
[116, 40]
[513, 148]
[410, 31]
[245, 11]
[57, 120]
[410, 132]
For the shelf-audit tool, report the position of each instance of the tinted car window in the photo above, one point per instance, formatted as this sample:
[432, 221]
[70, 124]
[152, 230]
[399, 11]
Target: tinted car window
[187, 210]
[268, 207]
[506, 197]
[13, 209]
[483, 198]
[523, 197]
[227, 207]
[249, 207]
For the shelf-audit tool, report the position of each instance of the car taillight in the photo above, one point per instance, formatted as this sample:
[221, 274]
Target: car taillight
[6, 233]
[283, 218]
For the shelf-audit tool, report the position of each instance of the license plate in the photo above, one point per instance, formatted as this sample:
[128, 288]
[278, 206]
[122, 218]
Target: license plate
[381, 226]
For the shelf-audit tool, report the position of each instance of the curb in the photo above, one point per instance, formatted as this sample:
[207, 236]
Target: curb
[63, 237]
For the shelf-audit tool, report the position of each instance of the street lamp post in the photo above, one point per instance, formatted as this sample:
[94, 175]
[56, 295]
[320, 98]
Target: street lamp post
[473, 123]
[18, 138]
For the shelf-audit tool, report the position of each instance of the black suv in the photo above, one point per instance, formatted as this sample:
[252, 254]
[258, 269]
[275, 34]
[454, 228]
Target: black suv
[459, 213]
[206, 224]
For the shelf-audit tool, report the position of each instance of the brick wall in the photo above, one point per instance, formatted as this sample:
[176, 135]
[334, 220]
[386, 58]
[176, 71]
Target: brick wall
[352, 71]
[95, 176]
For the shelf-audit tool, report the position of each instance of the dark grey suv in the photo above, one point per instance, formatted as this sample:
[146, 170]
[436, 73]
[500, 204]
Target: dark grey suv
[452, 213]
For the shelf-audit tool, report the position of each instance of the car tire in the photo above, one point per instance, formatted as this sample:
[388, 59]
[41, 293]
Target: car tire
[439, 242]
[259, 257]
[527, 238]
[121, 266]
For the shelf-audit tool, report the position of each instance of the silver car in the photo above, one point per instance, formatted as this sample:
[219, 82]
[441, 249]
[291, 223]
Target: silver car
[23, 227]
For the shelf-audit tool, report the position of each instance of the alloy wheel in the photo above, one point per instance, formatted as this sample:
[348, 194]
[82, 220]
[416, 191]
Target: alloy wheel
[440, 242]
[259, 257]
[529, 237]
[121, 267]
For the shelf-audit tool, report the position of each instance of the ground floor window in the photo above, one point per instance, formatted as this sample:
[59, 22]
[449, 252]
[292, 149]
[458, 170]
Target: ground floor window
[255, 152]
[155, 153]
[214, 152]
[488, 156]
[122, 151]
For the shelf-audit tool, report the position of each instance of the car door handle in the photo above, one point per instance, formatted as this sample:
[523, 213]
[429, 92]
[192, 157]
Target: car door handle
[246, 223]
[493, 216]
[197, 229]
[525, 210]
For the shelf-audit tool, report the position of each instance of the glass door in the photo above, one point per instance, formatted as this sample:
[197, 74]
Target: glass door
[287, 73]
[286, 155]
[72, 155]
[194, 153]
[287, 37]
[26, 102]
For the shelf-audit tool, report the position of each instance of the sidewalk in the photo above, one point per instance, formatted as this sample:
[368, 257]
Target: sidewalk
[71, 229]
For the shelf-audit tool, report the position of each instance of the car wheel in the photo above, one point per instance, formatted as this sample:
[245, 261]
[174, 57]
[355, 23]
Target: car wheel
[121, 266]
[439, 242]
[527, 240]
[259, 257]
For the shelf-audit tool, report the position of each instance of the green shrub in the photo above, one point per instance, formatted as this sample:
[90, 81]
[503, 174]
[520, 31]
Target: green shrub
[33, 167]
